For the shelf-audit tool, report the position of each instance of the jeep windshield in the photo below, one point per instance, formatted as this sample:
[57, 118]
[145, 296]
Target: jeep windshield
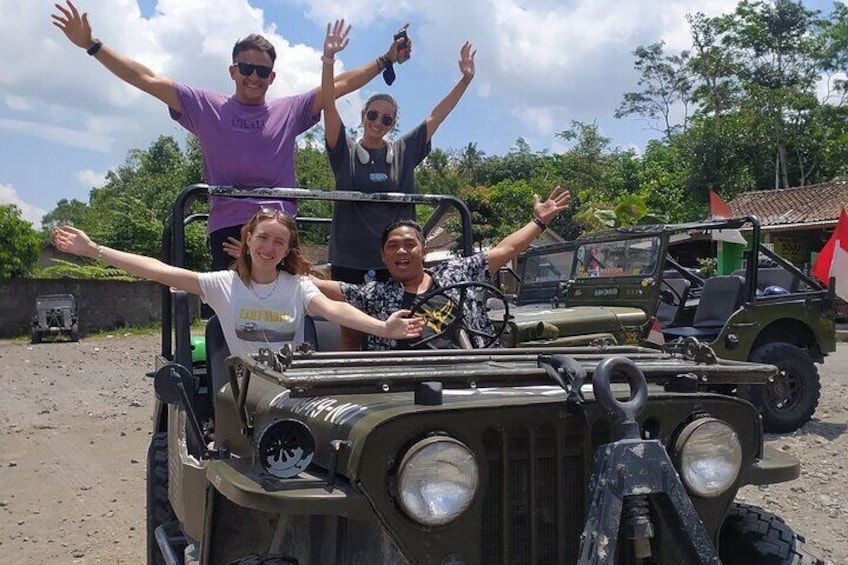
[602, 259]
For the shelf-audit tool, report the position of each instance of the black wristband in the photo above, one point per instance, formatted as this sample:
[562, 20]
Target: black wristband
[94, 48]
[540, 224]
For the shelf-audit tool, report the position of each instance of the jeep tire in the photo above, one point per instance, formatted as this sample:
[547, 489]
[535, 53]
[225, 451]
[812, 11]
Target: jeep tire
[788, 402]
[159, 510]
[749, 535]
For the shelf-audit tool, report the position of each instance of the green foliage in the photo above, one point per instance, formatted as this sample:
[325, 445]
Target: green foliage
[629, 211]
[20, 244]
[439, 174]
[666, 81]
[708, 266]
[757, 116]
[129, 211]
[66, 212]
[68, 270]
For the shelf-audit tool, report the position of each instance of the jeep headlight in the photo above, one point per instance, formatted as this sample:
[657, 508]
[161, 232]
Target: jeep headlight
[709, 456]
[437, 481]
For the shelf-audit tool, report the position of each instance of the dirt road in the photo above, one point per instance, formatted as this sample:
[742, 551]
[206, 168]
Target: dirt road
[74, 430]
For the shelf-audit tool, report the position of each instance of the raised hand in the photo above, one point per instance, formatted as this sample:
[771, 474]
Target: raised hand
[73, 240]
[399, 326]
[75, 26]
[557, 202]
[232, 247]
[392, 53]
[336, 39]
[466, 62]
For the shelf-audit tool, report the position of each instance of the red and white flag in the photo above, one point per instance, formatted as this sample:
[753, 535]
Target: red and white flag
[655, 334]
[833, 258]
[719, 210]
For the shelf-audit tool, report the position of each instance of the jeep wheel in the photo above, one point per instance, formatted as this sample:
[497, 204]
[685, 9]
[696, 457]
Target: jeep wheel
[749, 535]
[75, 332]
[159, 510]
[788, 402]
[35, 335]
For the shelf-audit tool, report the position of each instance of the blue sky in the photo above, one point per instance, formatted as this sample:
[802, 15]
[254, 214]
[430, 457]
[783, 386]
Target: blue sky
[65, 120]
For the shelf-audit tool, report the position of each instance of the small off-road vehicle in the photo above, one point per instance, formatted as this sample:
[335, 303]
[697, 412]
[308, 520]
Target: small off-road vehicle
[611, 286]
[55, 315]
[550, 454]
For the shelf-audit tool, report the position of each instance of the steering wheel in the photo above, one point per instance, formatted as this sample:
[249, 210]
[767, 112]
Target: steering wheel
[669, 294]
[450, 320]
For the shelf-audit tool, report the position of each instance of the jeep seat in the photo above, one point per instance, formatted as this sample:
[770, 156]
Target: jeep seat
[720, 297]
[772, 276]
[322, 334]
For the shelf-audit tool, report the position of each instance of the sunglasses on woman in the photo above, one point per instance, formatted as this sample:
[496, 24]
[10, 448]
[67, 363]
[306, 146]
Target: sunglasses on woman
[372, 116]
[246, 69]
[275, 213]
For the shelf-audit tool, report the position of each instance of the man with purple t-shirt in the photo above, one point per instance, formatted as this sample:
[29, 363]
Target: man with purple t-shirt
[246, 140]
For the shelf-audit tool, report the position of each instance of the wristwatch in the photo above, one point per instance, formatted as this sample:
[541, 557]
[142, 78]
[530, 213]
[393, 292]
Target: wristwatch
[94, 48]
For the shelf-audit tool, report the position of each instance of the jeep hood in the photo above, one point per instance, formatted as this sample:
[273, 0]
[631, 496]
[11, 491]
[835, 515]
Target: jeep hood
[343, 404]
[544, 322]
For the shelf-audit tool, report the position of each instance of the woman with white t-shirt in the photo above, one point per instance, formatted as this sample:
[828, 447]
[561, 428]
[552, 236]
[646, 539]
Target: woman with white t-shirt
[262, 302]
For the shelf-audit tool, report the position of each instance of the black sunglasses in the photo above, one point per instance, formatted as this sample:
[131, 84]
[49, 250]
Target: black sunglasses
[247, 69]
[372, 115]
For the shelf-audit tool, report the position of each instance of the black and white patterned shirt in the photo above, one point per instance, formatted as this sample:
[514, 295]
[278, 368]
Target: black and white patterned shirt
[382, 299]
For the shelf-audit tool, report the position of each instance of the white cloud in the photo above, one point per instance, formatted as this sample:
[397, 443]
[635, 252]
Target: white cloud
[358, 12]
[30, 213]
[65, 136]
[91, 179]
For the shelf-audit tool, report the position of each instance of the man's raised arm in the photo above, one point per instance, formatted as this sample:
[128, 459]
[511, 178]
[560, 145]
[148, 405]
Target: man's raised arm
[76, 28]
[512, 245]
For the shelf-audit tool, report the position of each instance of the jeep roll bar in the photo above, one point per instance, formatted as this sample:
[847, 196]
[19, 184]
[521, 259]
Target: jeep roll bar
[175, 305]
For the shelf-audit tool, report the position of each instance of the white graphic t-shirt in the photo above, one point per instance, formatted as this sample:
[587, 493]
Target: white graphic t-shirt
[262, 315]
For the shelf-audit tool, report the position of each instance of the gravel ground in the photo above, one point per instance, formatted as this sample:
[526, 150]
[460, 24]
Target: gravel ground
[74, 430]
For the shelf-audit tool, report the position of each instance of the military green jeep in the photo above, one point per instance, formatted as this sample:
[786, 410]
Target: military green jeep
[595, 455]
[610, 287]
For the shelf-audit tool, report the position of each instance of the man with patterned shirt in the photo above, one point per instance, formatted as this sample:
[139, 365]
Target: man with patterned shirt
[403, 252]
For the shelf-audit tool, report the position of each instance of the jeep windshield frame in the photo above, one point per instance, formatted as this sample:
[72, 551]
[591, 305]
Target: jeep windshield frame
[619, 282]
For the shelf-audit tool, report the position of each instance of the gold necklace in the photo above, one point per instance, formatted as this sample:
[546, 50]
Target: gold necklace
[270, 294]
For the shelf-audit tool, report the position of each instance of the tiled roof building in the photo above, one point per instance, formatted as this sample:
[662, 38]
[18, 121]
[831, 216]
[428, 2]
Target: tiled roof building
[807, 207]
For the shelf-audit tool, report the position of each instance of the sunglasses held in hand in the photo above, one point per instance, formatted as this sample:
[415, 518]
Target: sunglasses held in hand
[372, 116]
[246, 69]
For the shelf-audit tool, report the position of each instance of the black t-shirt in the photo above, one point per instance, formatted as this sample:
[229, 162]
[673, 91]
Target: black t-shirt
[357, 228]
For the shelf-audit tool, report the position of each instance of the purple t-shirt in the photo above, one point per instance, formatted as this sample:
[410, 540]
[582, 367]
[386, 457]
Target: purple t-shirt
[245, 145]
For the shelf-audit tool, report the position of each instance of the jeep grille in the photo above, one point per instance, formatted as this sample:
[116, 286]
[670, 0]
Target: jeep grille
[534, 506]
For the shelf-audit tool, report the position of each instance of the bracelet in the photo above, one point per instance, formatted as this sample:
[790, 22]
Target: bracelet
[94, 48]
[99, 252]
[540, 224]
[328, 60]
[382, 62]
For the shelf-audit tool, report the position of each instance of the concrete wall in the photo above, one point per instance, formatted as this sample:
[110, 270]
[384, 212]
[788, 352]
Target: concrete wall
[101, 304]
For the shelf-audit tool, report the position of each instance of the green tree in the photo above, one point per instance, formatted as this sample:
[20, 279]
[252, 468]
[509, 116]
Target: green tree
[20, 244]
[438, 174]
[67, 212]
[665, 83]
[129, 211]
[778, 68]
